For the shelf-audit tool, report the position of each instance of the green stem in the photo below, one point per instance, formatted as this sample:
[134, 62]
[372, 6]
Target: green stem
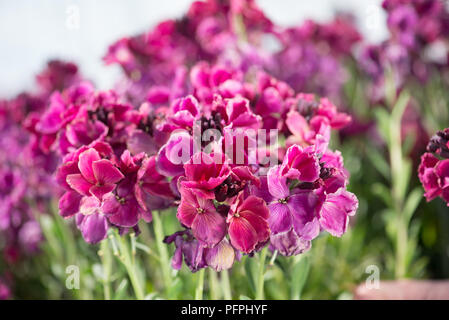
[226, 285]
[398, 188]
[200, 285]
[213, 282]
[106, 261]
[127, 260]
[162, 248]
[401, 248]
[261, 274]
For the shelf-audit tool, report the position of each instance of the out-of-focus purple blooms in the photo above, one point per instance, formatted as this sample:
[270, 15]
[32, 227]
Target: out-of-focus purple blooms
[402, 21]
[5, 291]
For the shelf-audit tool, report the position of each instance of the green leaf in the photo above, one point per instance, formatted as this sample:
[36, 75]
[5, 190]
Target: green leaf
[382, 192]
[120, 292]
[400, 105]
[405, 176]
[175, 289]
[383, 123]
[379, 162]
[412, 203]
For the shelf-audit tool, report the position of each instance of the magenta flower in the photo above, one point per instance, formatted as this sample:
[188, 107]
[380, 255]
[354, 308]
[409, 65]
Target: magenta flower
[300, 164]
[185, 112]
[122, 208]
[433, 171]
[336, 210]
[203, 173]
[152, 190]
[248, 227]
[310, 121]
[299, 211]
[175, 153]
[429, 176]
[97, 176]
[200, 214]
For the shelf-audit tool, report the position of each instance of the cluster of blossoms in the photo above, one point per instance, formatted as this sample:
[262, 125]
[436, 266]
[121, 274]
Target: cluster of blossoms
[416, 46]
[416, 50]
[236, 34]
[26, 182]
[194, 125]
[432, 171]
[230, 207]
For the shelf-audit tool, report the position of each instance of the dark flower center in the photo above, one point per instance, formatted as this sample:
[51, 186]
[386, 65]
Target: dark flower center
[438, 143]
[307, 108]
[228, 189]
[213, 122]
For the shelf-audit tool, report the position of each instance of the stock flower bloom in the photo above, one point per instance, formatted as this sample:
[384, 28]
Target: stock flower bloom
[122, 208]
[91, 221]
[203, 173]
[152, 190]
[433, 171]
[293, 218]
[185, 112]
[200, 214]
[402, 21]
[301, 209]
[248, 227]
[336, 210]
[197, 256]
[308, 118]
[300, 164]
[175, 153]
[144, 131]
[97, 176]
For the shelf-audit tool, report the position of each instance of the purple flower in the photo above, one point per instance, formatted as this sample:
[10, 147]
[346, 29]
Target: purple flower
[92, 223]
[197, 256]
[200, 214]
[403, 21]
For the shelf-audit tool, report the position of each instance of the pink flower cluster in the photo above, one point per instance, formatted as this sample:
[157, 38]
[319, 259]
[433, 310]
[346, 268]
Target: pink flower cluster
[195, 125]
[26, 184]
[434, 168]
[416, 29]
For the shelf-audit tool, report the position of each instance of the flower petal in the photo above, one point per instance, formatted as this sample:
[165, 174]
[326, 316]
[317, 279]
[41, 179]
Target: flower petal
[100, 191]
[105, 172]
[77, 182]
[69, 204]
[209, 227]
[335, 212]
[280, 219]
[242, 234]
[86, 160]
